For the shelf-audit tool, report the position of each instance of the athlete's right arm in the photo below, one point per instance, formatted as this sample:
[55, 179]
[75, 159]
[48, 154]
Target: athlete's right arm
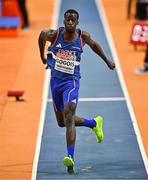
[45, 35]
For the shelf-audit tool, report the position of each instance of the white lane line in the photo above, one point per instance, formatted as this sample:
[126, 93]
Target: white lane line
[118, 68]
[57, 5]
[100, 99]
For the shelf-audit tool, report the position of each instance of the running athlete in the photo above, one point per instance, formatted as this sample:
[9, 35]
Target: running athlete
[64, 58]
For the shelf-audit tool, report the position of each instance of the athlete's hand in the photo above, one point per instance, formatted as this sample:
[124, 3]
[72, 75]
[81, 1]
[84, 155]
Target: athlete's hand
[111, 65]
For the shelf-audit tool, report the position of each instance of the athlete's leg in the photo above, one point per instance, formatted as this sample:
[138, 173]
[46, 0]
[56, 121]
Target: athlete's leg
[79, 121]
[68, 114]
[70, 94]
[65, 98]
[95, 124]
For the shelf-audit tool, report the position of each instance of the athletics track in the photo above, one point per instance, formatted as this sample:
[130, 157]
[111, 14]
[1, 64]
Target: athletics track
[102, 91]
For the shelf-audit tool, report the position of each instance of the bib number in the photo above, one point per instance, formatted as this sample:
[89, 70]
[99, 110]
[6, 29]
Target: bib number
[66, 66]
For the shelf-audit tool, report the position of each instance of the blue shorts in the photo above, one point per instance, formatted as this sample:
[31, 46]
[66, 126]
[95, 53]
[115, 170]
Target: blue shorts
[63, 92]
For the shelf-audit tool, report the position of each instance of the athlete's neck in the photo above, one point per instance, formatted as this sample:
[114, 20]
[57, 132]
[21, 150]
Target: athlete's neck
[69, 37]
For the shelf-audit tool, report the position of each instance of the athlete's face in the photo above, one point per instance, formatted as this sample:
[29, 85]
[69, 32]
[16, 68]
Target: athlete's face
[70, 22]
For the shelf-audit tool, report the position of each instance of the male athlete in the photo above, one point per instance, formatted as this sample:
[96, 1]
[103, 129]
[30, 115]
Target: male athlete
[64, 58]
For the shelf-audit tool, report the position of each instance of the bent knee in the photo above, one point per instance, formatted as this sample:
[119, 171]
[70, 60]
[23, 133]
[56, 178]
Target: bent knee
[69, 108]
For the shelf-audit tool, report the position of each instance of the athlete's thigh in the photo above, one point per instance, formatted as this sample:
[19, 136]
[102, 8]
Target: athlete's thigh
[57, 100]
[71, 93]
[57, 95]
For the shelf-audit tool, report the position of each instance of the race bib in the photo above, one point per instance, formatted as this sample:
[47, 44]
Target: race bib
[66, 66]
[65, 61]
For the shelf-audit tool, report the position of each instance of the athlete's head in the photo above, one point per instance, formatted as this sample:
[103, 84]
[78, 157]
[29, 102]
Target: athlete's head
[71, 17]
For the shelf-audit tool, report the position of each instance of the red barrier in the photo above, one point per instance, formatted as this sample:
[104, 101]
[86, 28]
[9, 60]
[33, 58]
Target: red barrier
[16, 94]
[139, 34]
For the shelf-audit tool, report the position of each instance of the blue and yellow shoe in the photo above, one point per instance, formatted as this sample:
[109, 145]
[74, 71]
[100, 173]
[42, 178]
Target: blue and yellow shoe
[69, 163]
[97, 130]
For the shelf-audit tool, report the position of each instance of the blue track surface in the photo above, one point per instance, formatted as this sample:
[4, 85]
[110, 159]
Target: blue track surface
[118, 156]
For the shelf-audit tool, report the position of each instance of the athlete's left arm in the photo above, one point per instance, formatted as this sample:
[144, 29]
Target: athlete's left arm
[96, 48]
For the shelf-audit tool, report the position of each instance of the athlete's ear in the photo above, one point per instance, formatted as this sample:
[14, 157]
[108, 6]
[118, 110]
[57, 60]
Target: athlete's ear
[77, 22]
